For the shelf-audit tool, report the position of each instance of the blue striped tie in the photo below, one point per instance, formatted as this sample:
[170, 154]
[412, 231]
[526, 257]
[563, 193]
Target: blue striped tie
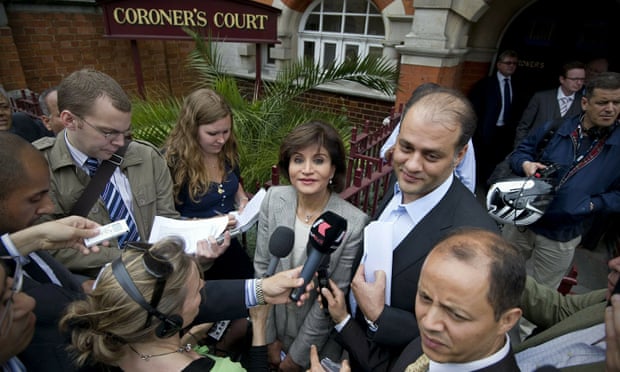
[115, 205]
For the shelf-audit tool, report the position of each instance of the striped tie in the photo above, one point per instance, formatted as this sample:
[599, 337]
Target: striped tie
[115, 205]
[564, 105]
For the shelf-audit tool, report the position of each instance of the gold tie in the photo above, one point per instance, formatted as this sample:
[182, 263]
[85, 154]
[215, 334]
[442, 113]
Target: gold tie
[420, 365]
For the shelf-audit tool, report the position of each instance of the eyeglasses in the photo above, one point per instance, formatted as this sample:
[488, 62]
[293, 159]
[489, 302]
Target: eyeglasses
[6, 317]
[575, 78]
[108, 134]
[512, 63]
[156, 266]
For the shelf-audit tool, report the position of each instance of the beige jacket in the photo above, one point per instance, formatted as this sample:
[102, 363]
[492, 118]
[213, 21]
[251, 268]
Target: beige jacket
[151, 189]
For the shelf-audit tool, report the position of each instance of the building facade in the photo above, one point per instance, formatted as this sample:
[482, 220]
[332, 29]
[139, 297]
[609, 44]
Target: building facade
[450, 42]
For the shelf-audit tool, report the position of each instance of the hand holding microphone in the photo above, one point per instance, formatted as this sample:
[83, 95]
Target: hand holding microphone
[326, 234]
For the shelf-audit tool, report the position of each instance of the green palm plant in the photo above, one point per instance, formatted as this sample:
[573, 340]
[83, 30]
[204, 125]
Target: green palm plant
[262, 122]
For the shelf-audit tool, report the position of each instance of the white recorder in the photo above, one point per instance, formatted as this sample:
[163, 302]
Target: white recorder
[109, 231]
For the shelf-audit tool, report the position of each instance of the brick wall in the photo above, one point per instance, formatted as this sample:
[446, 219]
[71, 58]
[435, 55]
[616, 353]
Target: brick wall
[52, 45]
[11, 73]
[357, 109]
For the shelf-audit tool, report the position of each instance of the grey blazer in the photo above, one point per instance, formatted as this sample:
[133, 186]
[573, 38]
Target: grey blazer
[543, 107]
[312, 326]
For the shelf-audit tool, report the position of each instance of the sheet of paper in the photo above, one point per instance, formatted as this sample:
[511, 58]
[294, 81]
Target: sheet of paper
[378, 253]
[249, 216]
[191, 231]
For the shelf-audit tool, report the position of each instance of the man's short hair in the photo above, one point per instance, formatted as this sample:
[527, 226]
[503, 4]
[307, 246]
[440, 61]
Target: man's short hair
[509, 53]
[45, 110]
[79, 91]
[447, 103]
[571, 66]
[12, 148]
[604, 80]
[506, 264]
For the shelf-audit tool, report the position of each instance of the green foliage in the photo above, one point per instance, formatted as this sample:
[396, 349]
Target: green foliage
[261, 124]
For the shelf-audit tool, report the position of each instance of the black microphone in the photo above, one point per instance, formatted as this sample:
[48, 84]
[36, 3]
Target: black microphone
[280, 245]
[326, 234]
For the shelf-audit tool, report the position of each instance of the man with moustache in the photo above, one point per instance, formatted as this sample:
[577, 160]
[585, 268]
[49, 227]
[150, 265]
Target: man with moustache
[586, 152]
[467, 299]
[425, 203]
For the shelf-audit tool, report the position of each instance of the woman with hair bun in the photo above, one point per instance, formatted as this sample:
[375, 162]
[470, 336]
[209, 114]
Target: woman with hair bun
[138, 309]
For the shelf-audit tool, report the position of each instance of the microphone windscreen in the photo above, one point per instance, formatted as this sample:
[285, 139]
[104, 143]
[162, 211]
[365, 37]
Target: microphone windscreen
[281, 241]
[327, 232]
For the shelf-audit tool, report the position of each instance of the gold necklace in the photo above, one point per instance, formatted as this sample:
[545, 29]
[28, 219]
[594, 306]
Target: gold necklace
[182, 349]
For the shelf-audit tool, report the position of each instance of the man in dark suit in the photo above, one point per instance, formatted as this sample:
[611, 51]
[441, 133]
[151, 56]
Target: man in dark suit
[426, 202]
[498, 102]
[467, 301]
[547, 105]
[24, 198]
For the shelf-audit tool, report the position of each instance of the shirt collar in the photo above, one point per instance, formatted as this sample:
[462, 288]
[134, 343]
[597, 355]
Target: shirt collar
[419, 208]
[561, 94]
[475, 365]
[501, 77]
[78, 156]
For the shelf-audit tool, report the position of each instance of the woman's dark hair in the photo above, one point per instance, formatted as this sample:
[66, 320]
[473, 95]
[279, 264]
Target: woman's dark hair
[315, 133]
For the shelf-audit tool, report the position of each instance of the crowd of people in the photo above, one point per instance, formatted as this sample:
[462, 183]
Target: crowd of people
[450, 298]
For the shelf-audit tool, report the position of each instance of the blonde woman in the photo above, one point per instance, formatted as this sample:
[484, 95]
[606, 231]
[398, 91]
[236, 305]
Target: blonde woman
[140, 304]
[201, 152]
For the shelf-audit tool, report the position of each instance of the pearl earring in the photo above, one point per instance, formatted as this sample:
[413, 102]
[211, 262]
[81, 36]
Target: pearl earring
[330, 181]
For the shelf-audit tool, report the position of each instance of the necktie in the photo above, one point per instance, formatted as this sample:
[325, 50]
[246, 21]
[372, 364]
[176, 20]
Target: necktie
[13, 365]
[115, 205]
[420, 365]
[507, 99]
[564, 105]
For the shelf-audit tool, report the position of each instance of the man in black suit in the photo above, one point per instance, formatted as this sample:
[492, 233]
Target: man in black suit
[467, 301]
[426, 202]
[547, 105]
[24, 198]
[498, 102]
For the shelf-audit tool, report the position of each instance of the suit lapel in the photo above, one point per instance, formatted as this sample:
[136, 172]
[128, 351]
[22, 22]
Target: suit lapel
[425, 234]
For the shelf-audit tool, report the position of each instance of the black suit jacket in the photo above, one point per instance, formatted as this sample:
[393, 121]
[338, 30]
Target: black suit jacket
[413, 351]
[225, 299]
[397, 323]
[493, 143]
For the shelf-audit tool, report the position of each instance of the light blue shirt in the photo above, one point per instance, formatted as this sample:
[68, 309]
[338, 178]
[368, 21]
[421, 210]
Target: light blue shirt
[407, 216]
[465, 170]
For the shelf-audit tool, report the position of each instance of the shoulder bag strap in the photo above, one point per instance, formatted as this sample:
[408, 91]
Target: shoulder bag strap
[97, 183]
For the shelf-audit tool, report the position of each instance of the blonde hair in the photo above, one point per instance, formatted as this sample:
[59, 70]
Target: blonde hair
[109, 318]
[182, 150]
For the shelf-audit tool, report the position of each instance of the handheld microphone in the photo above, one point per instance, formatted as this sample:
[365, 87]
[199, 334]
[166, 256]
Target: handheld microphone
[280, 245]
[326, 234]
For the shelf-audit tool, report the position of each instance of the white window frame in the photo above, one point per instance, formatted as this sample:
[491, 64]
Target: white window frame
[341, 39]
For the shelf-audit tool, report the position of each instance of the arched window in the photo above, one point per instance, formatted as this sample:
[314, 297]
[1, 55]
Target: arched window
[332, 30]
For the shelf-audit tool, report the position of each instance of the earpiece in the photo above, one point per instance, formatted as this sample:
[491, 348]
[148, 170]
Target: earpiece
[170, 324]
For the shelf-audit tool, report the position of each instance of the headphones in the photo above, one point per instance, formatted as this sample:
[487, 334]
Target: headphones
[170, 324]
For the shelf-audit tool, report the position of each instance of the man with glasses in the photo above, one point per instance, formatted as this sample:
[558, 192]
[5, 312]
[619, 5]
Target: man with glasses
[546, 105]
[96, 114]
[498, 102]
[24, 199]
